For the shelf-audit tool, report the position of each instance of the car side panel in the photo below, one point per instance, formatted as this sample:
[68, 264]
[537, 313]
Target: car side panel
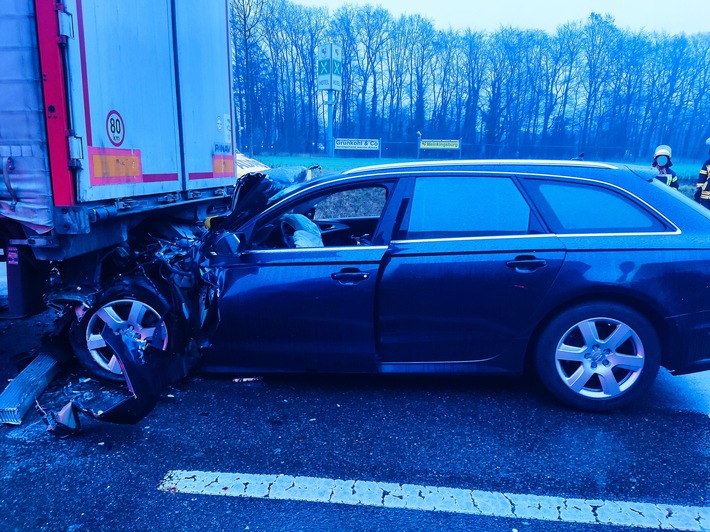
[463, 300]
[672, 286]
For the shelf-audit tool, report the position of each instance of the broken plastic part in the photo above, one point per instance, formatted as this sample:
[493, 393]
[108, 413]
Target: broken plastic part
[65, 423]
[147, 372]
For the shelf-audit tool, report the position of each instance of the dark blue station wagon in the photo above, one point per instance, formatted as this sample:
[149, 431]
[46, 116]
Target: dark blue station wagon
[591, 275]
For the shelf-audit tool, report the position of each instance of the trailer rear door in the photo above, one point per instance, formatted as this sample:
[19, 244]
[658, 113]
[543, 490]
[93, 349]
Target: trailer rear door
[150, 93]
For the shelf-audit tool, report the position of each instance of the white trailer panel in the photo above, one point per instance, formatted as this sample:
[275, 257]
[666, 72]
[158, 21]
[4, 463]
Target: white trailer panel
[123, 90]
[203, 50]
[150, 88]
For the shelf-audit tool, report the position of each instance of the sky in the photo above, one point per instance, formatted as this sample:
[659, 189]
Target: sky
[672, 16]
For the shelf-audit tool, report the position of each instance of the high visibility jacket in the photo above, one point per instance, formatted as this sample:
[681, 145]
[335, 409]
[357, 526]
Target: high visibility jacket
[703, 181]
[670, 178]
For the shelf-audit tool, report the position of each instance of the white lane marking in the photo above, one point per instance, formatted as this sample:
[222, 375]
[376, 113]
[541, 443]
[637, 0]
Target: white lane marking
[438, 499]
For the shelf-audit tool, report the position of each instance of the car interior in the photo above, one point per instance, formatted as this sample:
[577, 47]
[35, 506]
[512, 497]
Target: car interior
[344, 218]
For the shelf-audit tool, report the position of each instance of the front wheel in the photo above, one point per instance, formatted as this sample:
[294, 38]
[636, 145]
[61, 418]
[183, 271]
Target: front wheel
[133, 309]
[598, 356]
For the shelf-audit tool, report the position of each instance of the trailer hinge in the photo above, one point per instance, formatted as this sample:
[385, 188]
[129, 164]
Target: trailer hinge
[66, 24]
[76, 148]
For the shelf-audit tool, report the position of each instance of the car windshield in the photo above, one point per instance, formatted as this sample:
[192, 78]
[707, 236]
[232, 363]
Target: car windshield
[282, 193]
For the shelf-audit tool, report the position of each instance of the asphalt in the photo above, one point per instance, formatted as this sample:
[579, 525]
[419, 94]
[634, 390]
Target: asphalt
[494, 434]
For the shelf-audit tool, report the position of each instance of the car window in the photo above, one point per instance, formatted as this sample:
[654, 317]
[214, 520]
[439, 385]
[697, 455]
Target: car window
[587, 208]
[468, 206]
[355, 203]
[344, 218]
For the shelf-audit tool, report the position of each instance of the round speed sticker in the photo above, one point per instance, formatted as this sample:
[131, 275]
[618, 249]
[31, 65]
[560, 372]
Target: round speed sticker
[115, 129]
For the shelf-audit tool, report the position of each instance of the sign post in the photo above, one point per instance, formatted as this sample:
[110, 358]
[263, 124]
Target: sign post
[330, 78]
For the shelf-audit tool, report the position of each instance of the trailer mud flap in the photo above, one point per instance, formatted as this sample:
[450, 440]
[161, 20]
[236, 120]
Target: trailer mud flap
[147, 373]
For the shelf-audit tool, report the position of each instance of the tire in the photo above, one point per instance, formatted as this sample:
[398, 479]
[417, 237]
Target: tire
[598, 356]
[133, 308]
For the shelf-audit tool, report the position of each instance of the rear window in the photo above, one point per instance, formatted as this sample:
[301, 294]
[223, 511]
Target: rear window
[587, 208]
[468, 206]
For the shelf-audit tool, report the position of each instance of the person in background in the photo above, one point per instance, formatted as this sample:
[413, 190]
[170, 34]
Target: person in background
[662, 162]
[702, 193]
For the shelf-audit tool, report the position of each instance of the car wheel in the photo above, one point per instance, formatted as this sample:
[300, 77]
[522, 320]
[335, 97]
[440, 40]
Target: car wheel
[132, 308]
[598, 356]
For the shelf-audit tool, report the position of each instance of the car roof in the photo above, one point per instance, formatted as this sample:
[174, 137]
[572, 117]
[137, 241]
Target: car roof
[474, 164]
[618, 174]
[518, 166]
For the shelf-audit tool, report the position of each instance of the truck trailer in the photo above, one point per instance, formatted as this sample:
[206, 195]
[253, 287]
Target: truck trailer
[115, 122]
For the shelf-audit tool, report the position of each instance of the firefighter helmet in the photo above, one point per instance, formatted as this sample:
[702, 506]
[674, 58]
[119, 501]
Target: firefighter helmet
[662, 156]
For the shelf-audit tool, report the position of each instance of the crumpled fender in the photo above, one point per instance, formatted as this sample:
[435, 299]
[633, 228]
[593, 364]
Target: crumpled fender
[146, 374]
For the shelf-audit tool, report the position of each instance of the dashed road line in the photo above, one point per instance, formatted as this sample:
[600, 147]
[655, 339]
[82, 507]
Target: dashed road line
[438, 499]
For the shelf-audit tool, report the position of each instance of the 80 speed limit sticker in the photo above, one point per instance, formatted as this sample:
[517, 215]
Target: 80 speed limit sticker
[115, 128]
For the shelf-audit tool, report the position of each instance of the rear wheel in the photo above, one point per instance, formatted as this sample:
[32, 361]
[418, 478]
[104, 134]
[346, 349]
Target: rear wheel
[598, 356]
[133, 309]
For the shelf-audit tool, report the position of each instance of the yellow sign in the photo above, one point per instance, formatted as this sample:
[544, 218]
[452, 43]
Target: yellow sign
[115, 166]
[223, 165]
[440, 144]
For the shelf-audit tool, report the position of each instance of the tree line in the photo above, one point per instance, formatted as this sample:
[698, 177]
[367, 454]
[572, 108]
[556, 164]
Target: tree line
[590, 87]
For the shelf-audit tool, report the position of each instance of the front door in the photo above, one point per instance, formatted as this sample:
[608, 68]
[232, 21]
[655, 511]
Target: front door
[302, 295]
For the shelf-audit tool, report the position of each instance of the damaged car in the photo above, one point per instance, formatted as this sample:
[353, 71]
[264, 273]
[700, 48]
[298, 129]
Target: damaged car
[585, 276]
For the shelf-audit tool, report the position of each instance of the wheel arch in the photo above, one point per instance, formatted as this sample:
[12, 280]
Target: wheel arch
[646, 309]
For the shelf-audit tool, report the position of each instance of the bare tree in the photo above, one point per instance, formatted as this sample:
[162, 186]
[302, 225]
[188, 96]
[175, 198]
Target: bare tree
[248, 16]
[589, 86]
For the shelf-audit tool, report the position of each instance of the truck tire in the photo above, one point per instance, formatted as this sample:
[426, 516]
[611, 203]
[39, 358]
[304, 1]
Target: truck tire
[132, 308]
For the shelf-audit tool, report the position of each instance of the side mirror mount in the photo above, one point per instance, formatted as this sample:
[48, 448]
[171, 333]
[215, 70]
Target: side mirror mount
[228, 244]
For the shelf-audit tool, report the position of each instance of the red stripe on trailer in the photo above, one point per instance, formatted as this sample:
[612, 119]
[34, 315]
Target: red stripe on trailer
[55, 102]
[201, 175]
[84, 79]
[229, 81]
[157, 178]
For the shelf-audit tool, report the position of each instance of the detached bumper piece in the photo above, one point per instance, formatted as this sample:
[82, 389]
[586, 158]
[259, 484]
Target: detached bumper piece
[147, 372]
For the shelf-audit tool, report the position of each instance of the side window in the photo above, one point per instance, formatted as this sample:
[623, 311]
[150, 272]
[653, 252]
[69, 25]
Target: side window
[356, 203]
[468, 206]
[587, 208]
[344, 218]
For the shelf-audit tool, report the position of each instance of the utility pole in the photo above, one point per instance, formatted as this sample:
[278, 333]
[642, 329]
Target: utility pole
[330, 143]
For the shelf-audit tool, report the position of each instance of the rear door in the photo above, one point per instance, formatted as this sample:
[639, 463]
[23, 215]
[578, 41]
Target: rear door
[124, 102]
[150, 96]
[464, 276]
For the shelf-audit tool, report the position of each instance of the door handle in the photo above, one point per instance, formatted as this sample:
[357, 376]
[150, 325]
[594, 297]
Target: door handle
[526, 263]
[348, 276]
